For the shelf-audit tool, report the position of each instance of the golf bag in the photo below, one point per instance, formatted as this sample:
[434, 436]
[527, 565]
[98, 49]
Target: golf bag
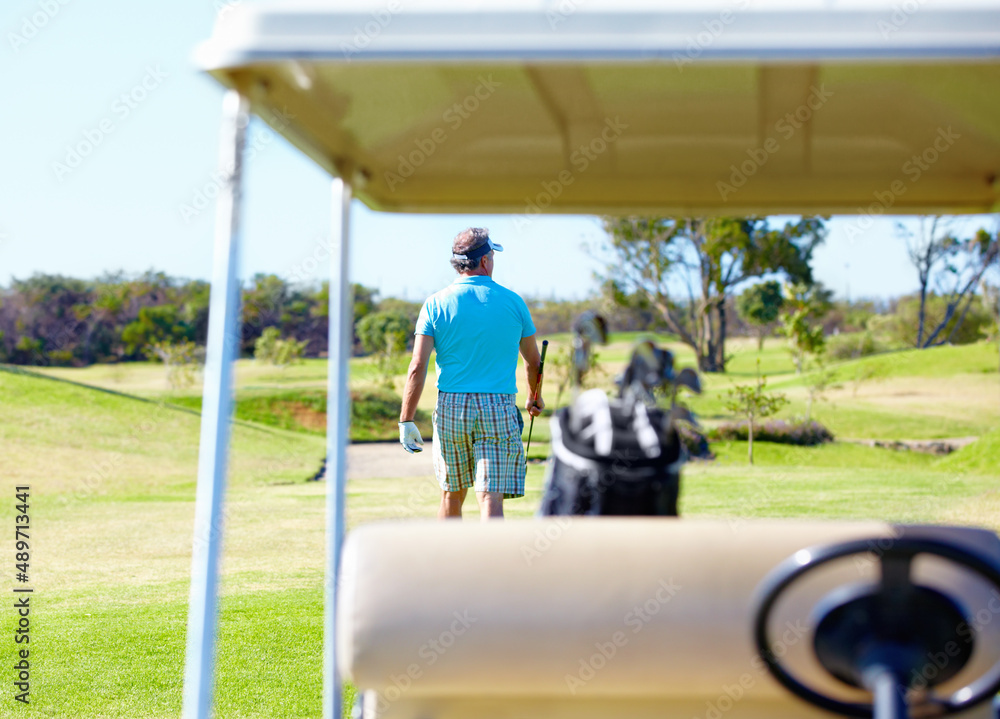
[612, 457]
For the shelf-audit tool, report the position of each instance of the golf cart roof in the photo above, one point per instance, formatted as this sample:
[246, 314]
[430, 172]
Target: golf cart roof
[622, 107]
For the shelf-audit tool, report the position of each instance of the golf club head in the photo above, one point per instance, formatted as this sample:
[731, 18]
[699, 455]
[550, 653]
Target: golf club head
[592, 327]
[588, 328]
[681, 414]
[649, 368]
[687, 377]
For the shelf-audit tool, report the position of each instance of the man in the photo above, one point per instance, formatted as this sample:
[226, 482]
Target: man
[477, 328]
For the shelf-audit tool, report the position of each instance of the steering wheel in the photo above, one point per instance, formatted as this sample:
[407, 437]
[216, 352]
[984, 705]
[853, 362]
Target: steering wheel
[879, 638]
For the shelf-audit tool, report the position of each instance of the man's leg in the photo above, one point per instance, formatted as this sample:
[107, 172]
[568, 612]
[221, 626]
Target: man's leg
[490, 505]
[451, 504]
[499, 454]
[453, 462]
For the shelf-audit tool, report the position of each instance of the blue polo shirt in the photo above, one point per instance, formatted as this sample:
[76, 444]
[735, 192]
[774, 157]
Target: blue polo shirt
[477, 327]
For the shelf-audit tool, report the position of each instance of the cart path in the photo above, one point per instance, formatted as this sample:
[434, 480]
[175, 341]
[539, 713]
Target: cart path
[388, 459]
[931, 446]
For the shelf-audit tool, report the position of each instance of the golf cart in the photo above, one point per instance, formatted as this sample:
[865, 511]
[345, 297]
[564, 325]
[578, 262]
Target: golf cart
[694, 108]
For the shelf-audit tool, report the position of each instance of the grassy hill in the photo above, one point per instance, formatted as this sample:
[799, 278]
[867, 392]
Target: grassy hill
[982, 456]
[914, 394]
[112, 512]
[112, 481]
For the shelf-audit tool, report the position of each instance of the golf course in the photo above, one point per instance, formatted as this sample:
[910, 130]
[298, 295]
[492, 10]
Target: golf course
[110, 455]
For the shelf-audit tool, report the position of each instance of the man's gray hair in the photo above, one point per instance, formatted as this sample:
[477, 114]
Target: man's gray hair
[466, 240]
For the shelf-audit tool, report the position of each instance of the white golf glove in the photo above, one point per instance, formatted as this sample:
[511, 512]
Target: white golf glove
[409, 437]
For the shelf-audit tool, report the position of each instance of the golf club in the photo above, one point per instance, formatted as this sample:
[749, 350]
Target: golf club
[538, 389]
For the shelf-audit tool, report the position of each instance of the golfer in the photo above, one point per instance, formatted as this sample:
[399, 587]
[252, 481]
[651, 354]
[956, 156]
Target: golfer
[477, 328]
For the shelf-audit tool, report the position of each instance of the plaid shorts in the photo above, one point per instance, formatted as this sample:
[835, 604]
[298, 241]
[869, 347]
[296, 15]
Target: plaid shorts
[477, 443]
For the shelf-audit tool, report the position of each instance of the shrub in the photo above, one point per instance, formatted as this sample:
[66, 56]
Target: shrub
[855, 345]
[805, 434]
[180, 358]
[60, 358]
[902, 327]
[271, 348]
[386, 335]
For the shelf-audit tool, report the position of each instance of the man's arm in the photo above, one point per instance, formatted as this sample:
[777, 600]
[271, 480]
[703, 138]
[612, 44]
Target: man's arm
[529, 350]
[415, 376]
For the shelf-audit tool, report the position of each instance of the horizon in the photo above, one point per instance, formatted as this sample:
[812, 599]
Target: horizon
[832, 262]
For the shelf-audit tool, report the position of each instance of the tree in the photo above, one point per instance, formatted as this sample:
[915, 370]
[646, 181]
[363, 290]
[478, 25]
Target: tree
[180, 358]
[270, 347]
[751, 402]
[991, 307]
[822, 379]
[903, 323]
[707, 257]
[559, 367]
[154, 324]
[955, 267]
[385, 335]
[805, 303]
[760, 305]
[263, 305]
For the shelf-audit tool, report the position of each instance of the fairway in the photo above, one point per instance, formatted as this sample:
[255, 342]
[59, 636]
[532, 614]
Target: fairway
[112, 481]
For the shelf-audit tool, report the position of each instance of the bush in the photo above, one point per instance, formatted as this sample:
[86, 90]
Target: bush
[854, 345]
[805, 434]
[180, 358]
[60, 358]
[386, 335]
[902, 326]
[271, 348]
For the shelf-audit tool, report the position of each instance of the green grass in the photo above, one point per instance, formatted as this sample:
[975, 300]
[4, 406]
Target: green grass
[112, 507]
[113, 485]
[982, 456]
[374, 411]
[928, 394]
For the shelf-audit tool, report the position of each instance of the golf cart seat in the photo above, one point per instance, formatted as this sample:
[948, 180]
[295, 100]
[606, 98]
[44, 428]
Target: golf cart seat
[579, 617]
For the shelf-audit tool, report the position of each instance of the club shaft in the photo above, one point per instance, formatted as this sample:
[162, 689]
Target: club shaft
[538, 389]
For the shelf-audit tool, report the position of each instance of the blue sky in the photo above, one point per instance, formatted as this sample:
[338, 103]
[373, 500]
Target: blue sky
[119, 76]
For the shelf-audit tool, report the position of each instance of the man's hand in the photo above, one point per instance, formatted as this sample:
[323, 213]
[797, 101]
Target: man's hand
[535, 406]
[409, 437]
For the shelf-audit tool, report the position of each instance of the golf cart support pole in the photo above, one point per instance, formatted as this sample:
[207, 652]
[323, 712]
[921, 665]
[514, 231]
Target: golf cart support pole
[337, 425]
[216, 413]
